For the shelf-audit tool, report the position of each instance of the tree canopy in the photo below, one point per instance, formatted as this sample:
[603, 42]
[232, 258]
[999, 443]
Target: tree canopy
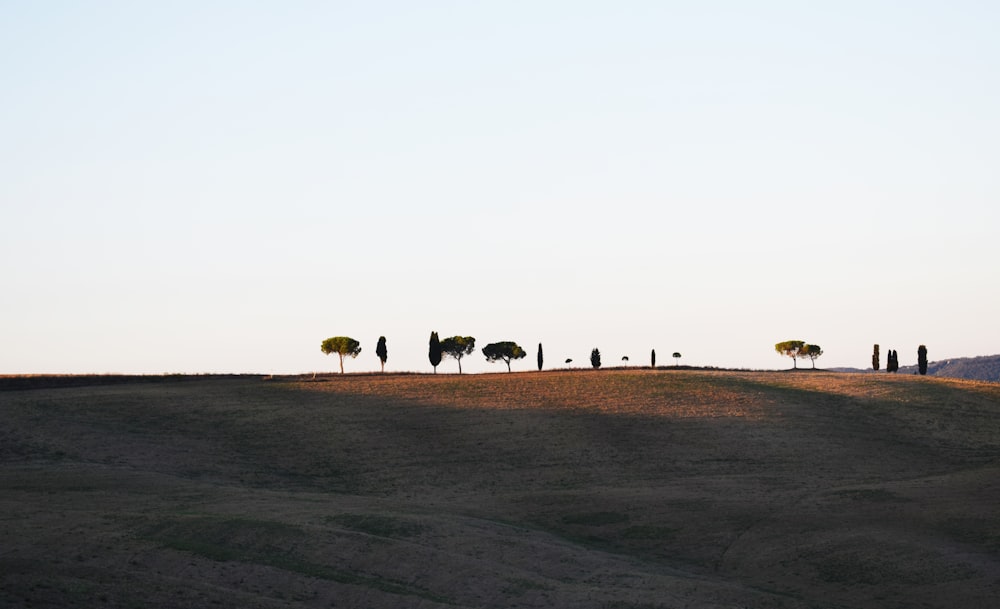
[341, 345]
[790, 348]
[458, 347]
[812, 352]
[506, 351]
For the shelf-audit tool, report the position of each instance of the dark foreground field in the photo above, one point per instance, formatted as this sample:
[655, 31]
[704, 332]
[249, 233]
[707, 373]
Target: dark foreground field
[615, 489]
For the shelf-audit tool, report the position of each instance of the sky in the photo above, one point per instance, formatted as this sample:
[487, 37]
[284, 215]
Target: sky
[213, 187]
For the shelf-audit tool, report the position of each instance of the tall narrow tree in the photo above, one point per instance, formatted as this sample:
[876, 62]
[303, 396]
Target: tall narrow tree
[540, 356]
[875, 359]
[922, 359]
[595, 358]
[652, 358]
[434, 351]
[381, 351]
[891, 363]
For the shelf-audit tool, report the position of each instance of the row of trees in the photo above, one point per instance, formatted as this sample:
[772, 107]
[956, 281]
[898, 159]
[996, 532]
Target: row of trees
[799, 349]
[507, 351]
[892, 360]
[455, 347]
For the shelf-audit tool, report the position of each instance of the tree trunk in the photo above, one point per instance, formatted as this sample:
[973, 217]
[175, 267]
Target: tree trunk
[508, 364]
[460, 365]
[341, 362]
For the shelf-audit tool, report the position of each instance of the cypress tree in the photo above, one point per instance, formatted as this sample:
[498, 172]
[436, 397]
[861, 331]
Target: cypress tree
[434, 351]
[540, 356]
[595, 358]
[922, 359]
[875, 359]
[381, 351]
[652, 358]
[891, 363]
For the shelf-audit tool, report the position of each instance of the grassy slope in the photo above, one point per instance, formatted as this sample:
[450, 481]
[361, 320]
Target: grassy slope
[585, 489]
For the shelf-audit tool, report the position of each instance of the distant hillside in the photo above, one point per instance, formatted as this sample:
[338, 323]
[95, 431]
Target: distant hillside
[983, 368]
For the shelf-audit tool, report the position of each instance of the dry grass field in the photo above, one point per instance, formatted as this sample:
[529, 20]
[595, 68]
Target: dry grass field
[612, 489]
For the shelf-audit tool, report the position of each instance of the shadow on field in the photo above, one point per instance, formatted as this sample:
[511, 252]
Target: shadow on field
[631, 488]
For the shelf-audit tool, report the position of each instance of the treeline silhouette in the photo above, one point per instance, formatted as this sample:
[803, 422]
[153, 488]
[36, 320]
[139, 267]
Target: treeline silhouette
[457, 347]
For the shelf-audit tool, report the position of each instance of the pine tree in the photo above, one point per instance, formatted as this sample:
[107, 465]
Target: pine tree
[341, 345]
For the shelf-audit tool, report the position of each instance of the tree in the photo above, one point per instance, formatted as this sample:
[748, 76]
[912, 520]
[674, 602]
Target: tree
[539, 356]
[381, 351]
[434, 351]
[922, 359]
[812, 352]
[341, 345]
[790, 348]
[652, 358]
[506, 351]
[625, 359]
[569, 360]
[458, 347]
[875, 359]
[677, 358]
[595, 358]
[891, 363]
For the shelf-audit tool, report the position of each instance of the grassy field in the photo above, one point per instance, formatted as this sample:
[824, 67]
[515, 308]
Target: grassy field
[595, 489]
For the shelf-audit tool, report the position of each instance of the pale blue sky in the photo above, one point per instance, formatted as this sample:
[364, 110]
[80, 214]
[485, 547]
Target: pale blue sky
[218, 186]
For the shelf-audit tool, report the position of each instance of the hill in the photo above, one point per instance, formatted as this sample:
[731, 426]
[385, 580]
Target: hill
[983, 368]
[594, 489]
